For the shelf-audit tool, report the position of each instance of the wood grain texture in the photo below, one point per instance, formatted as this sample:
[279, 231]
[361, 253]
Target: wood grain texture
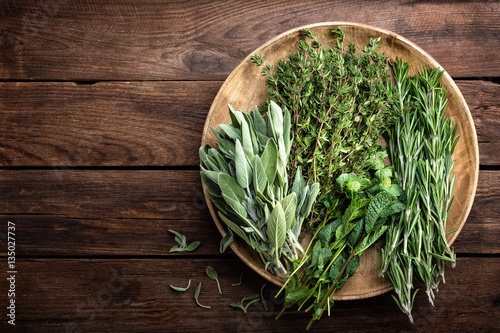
[82, 213]
[182, 40]
[148, 123]
[104, 124]
[102, 194]
[484, 103]
[134, 296]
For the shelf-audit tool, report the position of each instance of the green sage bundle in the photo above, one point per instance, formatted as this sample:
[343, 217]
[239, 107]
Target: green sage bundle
[246, 179]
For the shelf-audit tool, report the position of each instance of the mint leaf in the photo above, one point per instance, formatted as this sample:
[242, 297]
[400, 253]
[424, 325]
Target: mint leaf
[296, 296]
[378, 203]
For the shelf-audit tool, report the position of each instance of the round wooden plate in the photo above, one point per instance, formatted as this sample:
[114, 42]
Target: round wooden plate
[245, 88]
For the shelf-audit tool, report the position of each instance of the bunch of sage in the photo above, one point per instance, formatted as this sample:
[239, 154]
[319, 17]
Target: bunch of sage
[420, 145]
[247, 180]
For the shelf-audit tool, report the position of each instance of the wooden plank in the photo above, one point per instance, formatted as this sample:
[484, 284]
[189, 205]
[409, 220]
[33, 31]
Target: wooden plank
[147, 123]
[481, 232]
[484, 104]
[83, 212]
[108, 123]
[104, 194]
[170, 40]
[94, 295]
[50, 235]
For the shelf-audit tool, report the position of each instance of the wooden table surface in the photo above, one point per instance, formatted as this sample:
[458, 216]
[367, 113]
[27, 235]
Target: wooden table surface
[102, 107]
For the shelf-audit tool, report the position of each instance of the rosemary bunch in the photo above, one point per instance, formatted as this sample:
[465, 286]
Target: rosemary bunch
[340, 106]
[420, 146]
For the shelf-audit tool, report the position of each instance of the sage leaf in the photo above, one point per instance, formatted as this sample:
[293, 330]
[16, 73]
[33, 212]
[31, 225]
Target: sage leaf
[176, 249]
[250, 297]
[181, 289]
[245, 309]
[197, 294]
[276, 227]
[286, 132]
[236, 117]
[181, 240]
[259, 122]
[246, 137]
[237, 305]
[178, 237]
[289, 204]
[193, 246]
[230, 188]
[235, 228]
[241, 280]
[311, 197]
[230, 131]
[212, 187]
[226, 241]
[243, 175]
[263, 300]
[276, 115]
[270, 160]
[259, 175]
[236, 206]
[212, 273]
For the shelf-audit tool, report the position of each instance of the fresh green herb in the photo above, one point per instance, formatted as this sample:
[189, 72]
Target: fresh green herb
[197, 294]
[341, 104]
[250, 298]
[214, 276]
[241, 280]
[226, 241]
[181, 240]
[263, 300]
[247, 181]
[420, 145]
[181, 289]
[340, 107]
[337, 246]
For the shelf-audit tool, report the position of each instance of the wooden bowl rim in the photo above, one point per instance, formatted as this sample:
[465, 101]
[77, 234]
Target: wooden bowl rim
[235, 246]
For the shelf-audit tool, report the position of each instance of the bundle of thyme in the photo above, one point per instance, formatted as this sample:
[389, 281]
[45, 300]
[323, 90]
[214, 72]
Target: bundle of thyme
[340, 107]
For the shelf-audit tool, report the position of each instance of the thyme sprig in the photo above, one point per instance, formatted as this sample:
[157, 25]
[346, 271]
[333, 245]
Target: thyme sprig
[340, 106]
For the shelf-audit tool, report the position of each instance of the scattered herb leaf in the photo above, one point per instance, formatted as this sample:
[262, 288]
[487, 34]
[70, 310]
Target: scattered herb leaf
[212, 273]
[180, 288]
[197, 294]
[241, 280]
[181, 240]
[226, 241]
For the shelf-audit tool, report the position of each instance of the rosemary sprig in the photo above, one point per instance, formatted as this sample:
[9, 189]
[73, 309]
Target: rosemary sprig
[420, 146]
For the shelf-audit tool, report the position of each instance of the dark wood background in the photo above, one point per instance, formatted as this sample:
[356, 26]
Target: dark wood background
[102, 106]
